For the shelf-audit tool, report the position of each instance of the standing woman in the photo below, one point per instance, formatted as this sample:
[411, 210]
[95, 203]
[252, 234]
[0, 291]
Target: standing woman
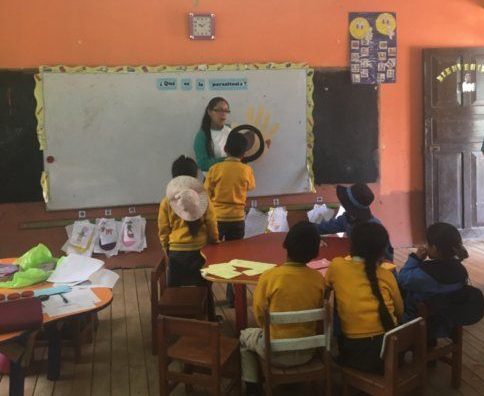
[212, 136]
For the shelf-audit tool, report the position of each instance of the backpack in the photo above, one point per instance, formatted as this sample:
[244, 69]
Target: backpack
[463, 307]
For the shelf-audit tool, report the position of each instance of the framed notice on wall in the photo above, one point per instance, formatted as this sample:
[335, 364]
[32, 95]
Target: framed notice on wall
[373, 47]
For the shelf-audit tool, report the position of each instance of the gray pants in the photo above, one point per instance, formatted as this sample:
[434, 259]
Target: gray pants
[252, 344]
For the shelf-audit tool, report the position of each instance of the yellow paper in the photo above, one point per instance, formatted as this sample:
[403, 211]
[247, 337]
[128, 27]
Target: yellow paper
[252, 265]
[223, 271]
[253, 272]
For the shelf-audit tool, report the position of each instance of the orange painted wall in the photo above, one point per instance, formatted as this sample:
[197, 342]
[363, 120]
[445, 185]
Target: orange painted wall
[114, 32]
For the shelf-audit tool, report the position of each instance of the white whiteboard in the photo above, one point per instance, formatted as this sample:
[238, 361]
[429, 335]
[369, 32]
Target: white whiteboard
[113, 136]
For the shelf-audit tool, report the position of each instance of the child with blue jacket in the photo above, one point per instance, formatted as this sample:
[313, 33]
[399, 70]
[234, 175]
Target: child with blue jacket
[356, 201]
[434, 270]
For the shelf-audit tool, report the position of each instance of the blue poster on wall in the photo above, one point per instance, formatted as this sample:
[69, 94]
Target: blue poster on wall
[373, 47]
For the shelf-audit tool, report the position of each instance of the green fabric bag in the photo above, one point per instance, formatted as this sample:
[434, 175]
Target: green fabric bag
[35, 257]
[26, 278]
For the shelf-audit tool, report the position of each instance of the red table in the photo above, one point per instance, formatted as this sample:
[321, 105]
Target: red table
[266, 248]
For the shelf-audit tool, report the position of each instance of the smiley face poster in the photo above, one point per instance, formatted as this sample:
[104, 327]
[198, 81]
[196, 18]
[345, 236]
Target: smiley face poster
[373, 47]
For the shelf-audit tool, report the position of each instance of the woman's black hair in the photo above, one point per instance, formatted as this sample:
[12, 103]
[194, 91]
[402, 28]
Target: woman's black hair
[368, 241]
[206, 124]
[186, 166]
[302, 242]
[447, 240]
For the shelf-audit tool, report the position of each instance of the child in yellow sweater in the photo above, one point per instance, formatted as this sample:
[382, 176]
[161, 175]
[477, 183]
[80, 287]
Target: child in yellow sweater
[367, 297]
[186, 223]
[289, 287]
[227, 184]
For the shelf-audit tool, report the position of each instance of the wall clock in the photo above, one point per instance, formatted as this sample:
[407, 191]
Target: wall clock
[201, 26]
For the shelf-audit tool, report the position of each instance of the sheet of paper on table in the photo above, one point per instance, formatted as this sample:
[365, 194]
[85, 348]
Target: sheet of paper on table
[253, 267]
[341, 210]
[75, 268]
[225, 271]
[318, 264]
[77, 300]
[231, 269]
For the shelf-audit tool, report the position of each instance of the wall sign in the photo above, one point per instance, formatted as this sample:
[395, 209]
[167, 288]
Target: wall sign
[373, 47]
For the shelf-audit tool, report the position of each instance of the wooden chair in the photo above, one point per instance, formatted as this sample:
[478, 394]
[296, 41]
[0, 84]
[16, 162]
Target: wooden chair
[396, 380]
[318, 368]
[442, 352]
[185, 302]
[207, 355]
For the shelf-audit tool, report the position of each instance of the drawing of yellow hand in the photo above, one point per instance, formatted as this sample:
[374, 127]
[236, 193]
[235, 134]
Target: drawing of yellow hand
[261, 120]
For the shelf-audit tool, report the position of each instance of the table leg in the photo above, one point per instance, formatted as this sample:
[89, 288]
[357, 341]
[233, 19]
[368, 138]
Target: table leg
[240, 307]
[53, 352]
[16, 379]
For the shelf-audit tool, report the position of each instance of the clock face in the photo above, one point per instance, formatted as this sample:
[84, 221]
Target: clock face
[202, 26]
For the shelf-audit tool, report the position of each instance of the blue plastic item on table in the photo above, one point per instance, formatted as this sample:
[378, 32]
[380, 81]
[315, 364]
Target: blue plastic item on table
[50, 291]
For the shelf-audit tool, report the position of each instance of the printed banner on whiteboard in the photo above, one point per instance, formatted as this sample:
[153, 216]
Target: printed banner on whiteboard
[373, 47]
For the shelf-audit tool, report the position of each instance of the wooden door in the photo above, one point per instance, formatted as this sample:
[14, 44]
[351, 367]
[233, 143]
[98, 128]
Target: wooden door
[454, 133]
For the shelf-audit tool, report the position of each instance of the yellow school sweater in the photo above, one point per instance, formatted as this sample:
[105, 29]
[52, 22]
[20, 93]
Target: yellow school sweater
[289, 287]
[356, 304]
[174, 232]
[227, 184]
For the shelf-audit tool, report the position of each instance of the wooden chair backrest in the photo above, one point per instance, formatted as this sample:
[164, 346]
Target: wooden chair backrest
[412, 337]
[317, 341]
[170, 328]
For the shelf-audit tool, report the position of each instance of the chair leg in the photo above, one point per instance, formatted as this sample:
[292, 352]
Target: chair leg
[188, 369]
[154, 339]
[164, 386]
[77, 339]
[456, 369]
[238, 384]
[267, 389]
[328, 384]
[345, 388]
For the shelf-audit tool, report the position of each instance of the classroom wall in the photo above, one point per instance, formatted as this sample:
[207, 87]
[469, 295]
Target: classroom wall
[114, 32]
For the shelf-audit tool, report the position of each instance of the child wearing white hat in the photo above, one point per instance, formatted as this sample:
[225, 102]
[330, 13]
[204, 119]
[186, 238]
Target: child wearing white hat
[186, 223]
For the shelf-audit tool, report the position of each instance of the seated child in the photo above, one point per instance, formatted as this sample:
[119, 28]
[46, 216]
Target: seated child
[442, 274]
[356, 201]
[367, 298]
[186, 223]
[227, 183]
[289, 287]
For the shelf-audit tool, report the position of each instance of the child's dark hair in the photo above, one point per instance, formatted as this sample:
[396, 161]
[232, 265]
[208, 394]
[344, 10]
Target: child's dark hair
[302, 242]
[236, 144]
[206, 124]
[184, 166]
[447, 240]
[368, 241]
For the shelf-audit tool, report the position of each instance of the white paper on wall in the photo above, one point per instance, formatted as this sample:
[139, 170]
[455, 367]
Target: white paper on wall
[256, 223]
[278, 220]
[319, 213]
[133, 238]
[82, 236]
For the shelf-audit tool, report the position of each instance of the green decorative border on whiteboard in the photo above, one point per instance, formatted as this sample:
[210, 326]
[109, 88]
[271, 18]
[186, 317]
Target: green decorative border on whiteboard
[309, 127]
[38, 93]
